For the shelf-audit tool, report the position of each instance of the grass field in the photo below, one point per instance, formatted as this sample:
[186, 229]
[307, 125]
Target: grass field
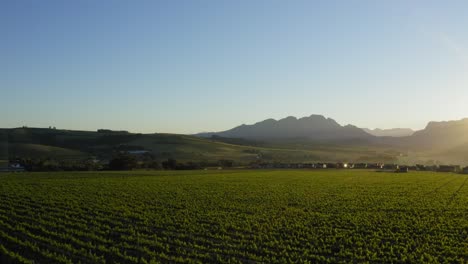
[289, 216]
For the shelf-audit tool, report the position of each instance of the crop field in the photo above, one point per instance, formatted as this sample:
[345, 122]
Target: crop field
[244, 216]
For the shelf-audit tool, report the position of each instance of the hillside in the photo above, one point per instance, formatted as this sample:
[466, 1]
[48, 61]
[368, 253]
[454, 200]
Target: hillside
[438, 142]
[441, 135]
[77, 145]
[67, 144]
[436, 136]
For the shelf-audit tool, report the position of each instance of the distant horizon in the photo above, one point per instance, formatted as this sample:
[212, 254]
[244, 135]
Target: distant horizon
[186, 67]
[202, 131]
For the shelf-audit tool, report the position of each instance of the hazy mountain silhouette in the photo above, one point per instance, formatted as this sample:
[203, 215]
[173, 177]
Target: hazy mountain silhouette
[439, 135]
[439, 141]
[314, 127]
[436, 136]
[393, 132]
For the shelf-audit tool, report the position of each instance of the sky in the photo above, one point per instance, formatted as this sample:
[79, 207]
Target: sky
[182, 66]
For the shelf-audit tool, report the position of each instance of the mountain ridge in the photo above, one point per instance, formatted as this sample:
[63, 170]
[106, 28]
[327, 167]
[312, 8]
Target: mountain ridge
[315, 127]
[315, 138]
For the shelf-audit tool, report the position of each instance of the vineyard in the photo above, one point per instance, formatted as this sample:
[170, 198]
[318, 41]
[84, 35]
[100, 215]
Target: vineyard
[278, 216]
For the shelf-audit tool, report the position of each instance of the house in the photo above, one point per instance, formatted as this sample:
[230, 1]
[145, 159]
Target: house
[360, 166]
[376, 166]
[449, 168]
[402, 169]
[16, 167]
[393, 167]
[465, 170]
[342, 165]
[308, 165]
[421, 167]
[321, 166]
[431, 168]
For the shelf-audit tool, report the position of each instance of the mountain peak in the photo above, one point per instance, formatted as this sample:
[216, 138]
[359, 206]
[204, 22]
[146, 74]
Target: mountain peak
[313, 127]
[266, 121]
[289, 118]
[441, 124]
[317, 116]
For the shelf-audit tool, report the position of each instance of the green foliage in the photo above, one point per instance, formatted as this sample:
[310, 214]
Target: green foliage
[170, 164]
[226, 163]
[50, 164]
[123, 161]
[289, 216]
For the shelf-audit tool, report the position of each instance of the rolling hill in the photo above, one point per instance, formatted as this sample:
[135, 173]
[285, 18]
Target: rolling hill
[78, 145]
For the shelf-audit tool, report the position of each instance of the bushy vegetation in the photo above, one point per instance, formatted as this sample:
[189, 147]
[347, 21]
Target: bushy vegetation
[289, 216]
[51, 164]
[120, 162]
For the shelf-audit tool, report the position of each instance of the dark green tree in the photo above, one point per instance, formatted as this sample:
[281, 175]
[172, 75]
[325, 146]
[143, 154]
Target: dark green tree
[123, 161]
[170, 164]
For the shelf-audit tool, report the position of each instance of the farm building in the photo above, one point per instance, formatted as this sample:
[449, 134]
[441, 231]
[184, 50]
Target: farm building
[421, 167]
[309, 165]
[321, 166]
[16, 167]
[377, 166]
[449, 168]
[342, 165]
[12, 167]
[390, 167]
[360, 166]
[402, 169]
[431, 168]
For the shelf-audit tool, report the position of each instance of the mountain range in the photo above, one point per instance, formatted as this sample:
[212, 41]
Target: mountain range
[308, 139]
[444, 141]
[314, 127]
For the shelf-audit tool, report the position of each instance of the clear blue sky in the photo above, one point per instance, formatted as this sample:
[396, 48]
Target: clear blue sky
[189, 66]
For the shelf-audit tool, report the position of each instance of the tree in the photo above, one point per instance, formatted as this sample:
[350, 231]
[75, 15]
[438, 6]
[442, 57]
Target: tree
[170, 164]
[225, 163]
[123, 161]
[153, 165]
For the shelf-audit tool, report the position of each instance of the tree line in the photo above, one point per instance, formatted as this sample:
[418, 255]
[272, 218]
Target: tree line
[120, 161]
